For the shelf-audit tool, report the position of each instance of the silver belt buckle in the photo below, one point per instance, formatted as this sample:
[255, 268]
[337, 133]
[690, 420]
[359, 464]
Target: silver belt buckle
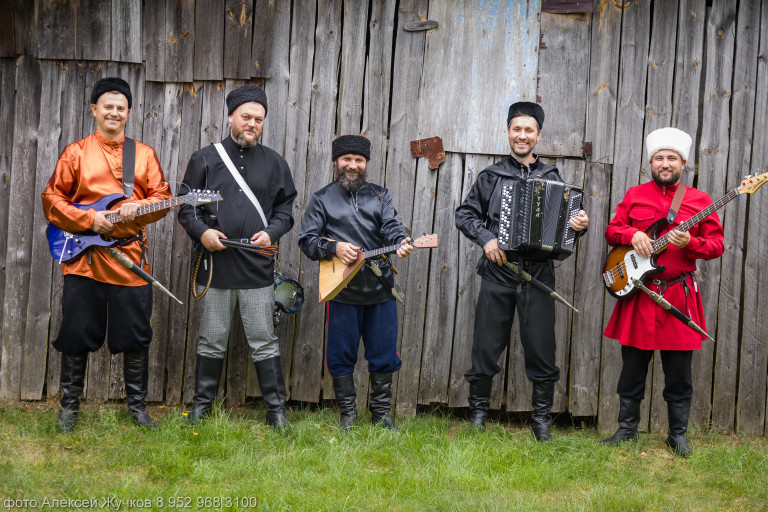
[245, 240]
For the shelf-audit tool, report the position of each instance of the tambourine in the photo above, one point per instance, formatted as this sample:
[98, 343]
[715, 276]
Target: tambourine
[289, 294]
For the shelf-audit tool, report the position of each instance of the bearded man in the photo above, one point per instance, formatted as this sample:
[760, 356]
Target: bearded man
[340, 220]
[502, 290]
[640, 325]
[258, 192]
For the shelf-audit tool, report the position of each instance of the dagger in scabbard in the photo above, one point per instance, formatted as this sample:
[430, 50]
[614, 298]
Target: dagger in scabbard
[123, 259]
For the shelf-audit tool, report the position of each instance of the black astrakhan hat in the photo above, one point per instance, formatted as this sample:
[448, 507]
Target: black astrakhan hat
[111, 84]
[245, 94]
[351, 144]
[526, 108]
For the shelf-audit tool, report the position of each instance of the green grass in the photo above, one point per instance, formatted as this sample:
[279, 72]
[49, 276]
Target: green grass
[435, 463]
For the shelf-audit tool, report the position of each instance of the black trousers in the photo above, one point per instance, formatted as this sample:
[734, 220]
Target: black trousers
[92, 310]
[678, 383]
[494, 315]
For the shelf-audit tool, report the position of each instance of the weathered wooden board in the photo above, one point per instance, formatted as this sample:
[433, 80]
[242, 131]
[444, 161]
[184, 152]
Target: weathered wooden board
[126, 30]
[54, 28]
[603, 80]
[713, 164]
[153, 42]
[403, 125]
[238, 24]
[751, 404]
[587, 325]
[725, 380]
[209, 45]
[25, 34]
[378, 77]
[352, 69]
[178, 41]
[415, 313]
[7, 28]
[7, 107]
[94, 30]
[442, 285]
[38, 308]
[561, 87]
[20, 224]
[468, 288]
[269, 17]
[497, 67]
[628, 160]
[308, 363]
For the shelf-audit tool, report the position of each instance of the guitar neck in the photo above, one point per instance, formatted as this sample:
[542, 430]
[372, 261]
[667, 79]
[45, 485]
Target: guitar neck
[663, 241]
[384, 250]
[149, 208]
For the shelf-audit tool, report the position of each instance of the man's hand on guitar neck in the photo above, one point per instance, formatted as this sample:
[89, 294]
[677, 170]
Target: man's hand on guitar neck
[405, 249]
[347, 252]
[100, 223]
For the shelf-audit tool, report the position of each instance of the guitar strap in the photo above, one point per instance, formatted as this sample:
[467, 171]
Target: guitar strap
[129, 166]
[677, 200]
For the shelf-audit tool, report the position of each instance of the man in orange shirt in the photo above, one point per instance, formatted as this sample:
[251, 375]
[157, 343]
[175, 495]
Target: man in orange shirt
[101, 297]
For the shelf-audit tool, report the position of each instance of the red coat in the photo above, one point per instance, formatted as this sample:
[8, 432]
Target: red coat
[638, 321]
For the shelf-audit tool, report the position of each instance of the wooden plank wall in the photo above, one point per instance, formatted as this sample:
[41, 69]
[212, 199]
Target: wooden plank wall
[329, 67]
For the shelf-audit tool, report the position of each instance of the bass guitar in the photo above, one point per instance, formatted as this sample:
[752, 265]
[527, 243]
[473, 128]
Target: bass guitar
[65, 246]
[623, 264]
[335, 275]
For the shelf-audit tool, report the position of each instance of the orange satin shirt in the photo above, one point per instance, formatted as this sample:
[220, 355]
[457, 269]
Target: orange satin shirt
[88, 170]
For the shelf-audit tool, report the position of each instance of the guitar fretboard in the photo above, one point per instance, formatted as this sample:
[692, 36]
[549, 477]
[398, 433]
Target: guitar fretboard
[383, 250]
[662, 242]
[149, 208]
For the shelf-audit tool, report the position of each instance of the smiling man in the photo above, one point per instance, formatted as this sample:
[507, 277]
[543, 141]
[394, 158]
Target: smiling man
[640, 325]
[101, 297]
[502, 290]
[258, 192]
[341, 219]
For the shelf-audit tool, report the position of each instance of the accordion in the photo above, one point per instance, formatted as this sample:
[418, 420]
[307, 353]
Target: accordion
[533, 218]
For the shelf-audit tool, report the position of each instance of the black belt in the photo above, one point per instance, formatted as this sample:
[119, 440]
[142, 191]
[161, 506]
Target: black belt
[663, 284]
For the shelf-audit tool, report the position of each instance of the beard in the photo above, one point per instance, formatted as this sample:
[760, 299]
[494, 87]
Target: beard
[665, 182]
[240, 138]
[348, 185]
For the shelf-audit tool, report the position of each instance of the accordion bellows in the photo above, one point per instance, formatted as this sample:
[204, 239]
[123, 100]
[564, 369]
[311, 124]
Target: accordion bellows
[533, 218]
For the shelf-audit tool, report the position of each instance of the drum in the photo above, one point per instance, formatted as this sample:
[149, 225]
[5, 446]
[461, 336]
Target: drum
[289, 294]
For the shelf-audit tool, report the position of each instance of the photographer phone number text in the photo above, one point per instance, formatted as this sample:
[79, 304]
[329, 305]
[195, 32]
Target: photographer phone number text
[115, 503]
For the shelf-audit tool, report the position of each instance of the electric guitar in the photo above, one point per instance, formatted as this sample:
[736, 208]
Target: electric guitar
[335, 275]
[623, 264]
[65, 246]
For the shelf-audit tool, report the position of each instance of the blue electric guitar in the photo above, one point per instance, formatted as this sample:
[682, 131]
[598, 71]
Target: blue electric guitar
[65, 246]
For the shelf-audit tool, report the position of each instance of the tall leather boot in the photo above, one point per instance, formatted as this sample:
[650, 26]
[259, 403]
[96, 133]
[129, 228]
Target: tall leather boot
[344, 387]
[381, 400]
[678, 413]
[136, 373]
[479, 402]
[629, 419]
[207, 378]
[72, 382]
[270, 375]
[543, 395]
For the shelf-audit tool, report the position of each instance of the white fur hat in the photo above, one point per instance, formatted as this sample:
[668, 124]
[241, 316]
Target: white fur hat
[668, 138]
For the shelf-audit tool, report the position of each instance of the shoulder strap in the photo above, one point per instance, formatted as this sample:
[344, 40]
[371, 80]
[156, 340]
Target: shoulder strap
[240, 181]
[129, 166]
[677, 200]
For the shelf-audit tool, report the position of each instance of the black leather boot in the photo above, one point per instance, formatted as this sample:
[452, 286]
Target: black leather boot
[479, 402]
[344, 387]
[678, 413]
[543, 395]
[629, 419]
[136, 373]
[207, 378]
[381, 400]
[72, 382]
[270, 375]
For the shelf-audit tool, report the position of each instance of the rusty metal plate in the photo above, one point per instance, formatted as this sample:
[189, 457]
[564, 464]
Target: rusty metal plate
[431, 149]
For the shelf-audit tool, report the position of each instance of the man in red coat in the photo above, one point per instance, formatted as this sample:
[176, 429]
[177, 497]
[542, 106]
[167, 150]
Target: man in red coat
[642, 326]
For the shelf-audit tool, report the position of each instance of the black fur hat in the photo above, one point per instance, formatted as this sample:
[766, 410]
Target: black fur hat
[245, 94]
[111, 84]
[526, 108]
[351, 144]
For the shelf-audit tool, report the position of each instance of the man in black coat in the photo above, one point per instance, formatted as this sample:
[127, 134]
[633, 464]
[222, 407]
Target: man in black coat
[340, 220]
[502, 289]
[257, 197]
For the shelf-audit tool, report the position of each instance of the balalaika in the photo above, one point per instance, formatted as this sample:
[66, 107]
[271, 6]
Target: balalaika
[534, 215]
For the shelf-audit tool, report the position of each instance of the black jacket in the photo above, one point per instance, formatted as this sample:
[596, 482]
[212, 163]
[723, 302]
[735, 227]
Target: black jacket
[367, 219]
[478, 216]
[268, 176]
